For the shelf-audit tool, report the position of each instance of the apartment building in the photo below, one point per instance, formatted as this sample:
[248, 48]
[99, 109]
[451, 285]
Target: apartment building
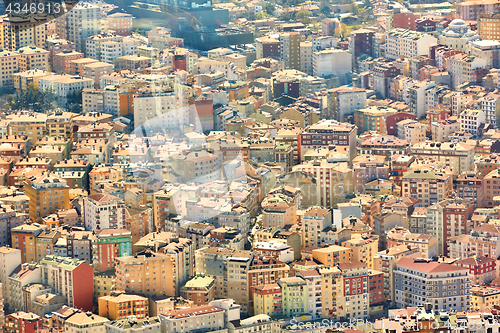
[103, 211]
[120, 23]
[449, 218]
[428, 186]
[483, 240]
[459, 157]
[204, 317]
[48, 193]
[471, 120]
[385, 261]
[314, 220]
[402, 42]
[9, 65]
[332, 62]
[450, 284]
[123, 306]
[325, 133]
[290, 49]
[82, 21]
[156, 273]
[19, 32]
[72, 278]
[32, 57]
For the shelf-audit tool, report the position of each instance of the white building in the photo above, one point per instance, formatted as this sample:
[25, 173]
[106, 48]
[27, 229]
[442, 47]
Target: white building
[451, 284]
[206, 317]
[407, 43]
[458, 35]
[83, 21]
[323, 42]
[332, 62]
[10, 259]
[461, 67]
[490, 105]
[470, 120]
[103, 211]
[63, 84]
[168, 109]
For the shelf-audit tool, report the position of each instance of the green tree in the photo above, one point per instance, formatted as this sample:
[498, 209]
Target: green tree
[261, 15]
[353, 9]
[74, 100]
[269, 8]
[325, 10]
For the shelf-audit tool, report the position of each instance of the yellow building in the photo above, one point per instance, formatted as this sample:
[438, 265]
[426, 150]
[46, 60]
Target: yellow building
[373, 118]
[236, 89]
[333, 255]
[48, 194]
[32, 125]
[33, 58]
[267, 299]
[123, 306]
[363, 249]
[21, 80]
[9, 64]
[19, 31]
[59, 123]
[483, 298]
[172, 266]
[104, 284]
[332, 292]
[489, 26]
[334, 181]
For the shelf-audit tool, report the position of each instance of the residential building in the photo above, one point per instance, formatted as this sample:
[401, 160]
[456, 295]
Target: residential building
[123, 306]
[72, 278]
[451, 284]
[103, 211]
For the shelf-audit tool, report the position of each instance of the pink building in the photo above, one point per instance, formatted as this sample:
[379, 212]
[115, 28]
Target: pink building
[62, 61]
[120, 23]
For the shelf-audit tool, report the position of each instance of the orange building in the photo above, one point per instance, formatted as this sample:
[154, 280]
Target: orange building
[104, 174]
[139, 221]
[171, 266]
[24, 239]
[123, 306]
[333, 255]
[48, 193]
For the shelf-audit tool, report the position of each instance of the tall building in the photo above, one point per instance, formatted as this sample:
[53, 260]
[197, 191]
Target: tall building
[103, 211]
[156, 273]
[10, 259]
[414, 276]
[22, 31]
[111, 244]
[81, 22]
[72, 278]
[9, 64]
[290, 49]
[407, 43]
[48, 194]
[489, 26]
[24, 239]
[449, 218]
